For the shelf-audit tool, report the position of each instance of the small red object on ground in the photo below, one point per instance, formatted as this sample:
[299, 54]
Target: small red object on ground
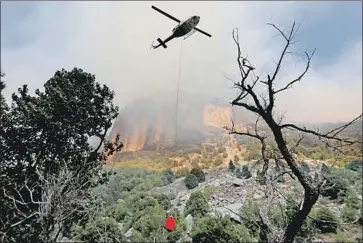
[170, 223]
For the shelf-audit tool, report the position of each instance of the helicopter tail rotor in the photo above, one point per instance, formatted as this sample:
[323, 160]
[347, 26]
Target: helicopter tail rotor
[161, 43]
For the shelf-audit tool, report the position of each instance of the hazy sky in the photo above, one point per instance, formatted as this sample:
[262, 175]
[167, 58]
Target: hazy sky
[112, 40]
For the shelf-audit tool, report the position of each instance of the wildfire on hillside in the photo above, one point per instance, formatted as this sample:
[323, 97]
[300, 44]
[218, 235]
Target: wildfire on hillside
[138, 133]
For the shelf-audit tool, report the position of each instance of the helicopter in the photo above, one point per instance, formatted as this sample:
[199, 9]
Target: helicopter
[183, 28]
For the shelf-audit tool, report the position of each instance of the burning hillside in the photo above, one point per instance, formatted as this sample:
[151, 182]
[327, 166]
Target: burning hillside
[151, 121]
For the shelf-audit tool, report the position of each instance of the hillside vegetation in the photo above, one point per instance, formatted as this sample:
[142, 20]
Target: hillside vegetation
[247, 184]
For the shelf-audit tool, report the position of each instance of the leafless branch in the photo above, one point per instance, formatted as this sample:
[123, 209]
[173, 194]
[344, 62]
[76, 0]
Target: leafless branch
[283, 173]
[334, 222]
[311, 188]
[62, 195]
[331, 135]
[289, 85]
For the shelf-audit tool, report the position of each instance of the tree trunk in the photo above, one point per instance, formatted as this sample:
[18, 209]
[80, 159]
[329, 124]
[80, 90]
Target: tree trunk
[296, 223]
[311, 194]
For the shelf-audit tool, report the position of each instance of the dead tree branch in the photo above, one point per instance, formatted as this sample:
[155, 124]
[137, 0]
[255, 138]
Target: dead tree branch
[246, 87]
[63, 195]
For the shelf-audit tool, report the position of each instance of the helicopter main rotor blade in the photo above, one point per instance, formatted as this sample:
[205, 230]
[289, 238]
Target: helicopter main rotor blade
[203, 32]
[166, 14]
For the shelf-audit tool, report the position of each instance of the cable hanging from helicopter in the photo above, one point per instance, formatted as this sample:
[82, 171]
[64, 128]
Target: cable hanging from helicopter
[184, 28]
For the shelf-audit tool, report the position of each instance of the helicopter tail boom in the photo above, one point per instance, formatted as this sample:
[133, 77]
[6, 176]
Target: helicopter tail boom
[161, 43]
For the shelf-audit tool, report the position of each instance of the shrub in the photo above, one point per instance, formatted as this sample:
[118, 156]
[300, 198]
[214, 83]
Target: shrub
[225, 155]
[118, 211]
[246, 173]
[199, 173]
[324, 214]
[253, 155]
[182, 172]
[335, 185]
[355, 165]
[98, 230]
[237, 172]
[168, 177]
[149, 226]
[163, 201]
[197, 205]
[231, 166]
[352, 200]
[236, 158]
[140, 203]
[191, 181]
[218, 230]
[195, 163]
[260, 178]
[218, 161]
[250, 211]
[348, 214]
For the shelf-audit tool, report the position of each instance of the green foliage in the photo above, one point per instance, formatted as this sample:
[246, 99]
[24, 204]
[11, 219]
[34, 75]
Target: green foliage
[348, 214]
[50, 131]
[180, 229]
[355, 165]
[218, 230]
[245, 173]
[276, 215]
[145, 212]
[150, 226]
[191, 181]
[236, 158]
[127, 181]
[225, 155]
[168, 177]
[163, 201]
[98, 230]
[250, 211]
[208, 191]
[197, 205]
[352, 200]
[337, 184]
[118, 211]
[199, 173]
[324, 214]
[254, 151]
[231, 166]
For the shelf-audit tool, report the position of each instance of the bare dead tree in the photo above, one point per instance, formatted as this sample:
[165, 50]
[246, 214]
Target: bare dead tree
[263, 106]
[63, 195]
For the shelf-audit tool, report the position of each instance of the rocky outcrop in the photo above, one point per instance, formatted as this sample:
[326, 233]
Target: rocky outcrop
[189, 221]
[232, 210]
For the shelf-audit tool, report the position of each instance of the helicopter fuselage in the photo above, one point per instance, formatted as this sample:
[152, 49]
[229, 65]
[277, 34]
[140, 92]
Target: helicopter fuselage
[180, 30]
[185, 27]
